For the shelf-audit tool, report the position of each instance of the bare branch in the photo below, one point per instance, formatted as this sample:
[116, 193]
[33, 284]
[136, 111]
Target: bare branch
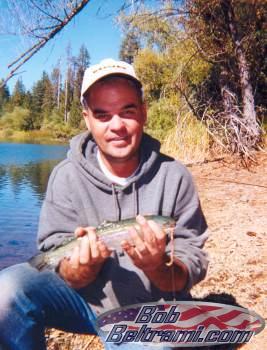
[48, 15]
[22, 59]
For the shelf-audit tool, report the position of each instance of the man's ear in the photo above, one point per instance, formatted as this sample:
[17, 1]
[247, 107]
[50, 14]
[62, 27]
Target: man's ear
[86, 115]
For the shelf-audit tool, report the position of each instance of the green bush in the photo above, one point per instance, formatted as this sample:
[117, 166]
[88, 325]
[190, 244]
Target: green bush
[55, 118]
[19, 119]
[162, 115]
[57, 127]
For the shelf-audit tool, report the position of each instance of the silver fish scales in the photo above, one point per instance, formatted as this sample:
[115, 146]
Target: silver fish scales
[112, 233]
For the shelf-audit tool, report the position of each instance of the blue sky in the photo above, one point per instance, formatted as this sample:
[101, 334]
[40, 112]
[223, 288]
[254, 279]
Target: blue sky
[98, 32]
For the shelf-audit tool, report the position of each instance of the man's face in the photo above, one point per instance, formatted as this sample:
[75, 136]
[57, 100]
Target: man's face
[115, 117]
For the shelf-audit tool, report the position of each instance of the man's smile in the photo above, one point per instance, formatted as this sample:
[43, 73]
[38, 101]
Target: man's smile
[120, 139]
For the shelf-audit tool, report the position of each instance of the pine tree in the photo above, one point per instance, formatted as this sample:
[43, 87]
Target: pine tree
[81, 62]
[48, 101]
[18, 95]
[4, 96]
[42, 99]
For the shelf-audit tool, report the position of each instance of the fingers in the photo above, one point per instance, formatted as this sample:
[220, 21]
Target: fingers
[148, 234]
[84, 250]
[98, 249]
[154, 236]
[136, 250]
[81, 231]
[94, 252]
[159, 235]
[139, 244]
[86, 259]
[90, 250]
[104, 251]
[75, 258]
[148, 246]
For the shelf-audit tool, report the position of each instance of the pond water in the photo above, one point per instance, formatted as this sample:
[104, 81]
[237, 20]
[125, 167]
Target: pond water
[24, 172]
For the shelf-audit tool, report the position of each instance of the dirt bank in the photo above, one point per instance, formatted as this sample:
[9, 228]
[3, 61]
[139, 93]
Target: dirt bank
[235, 203]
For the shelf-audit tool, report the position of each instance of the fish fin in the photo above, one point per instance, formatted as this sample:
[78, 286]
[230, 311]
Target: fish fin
[39, 262]
[105, 224]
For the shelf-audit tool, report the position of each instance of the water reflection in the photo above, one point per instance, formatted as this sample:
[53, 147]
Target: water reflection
[23, 181]
[34, 175]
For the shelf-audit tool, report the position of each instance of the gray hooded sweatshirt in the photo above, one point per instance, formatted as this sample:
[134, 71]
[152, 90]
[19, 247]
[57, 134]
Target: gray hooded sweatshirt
[79, 194]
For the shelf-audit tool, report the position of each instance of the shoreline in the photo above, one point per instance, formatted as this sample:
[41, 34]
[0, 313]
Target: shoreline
[33, 136]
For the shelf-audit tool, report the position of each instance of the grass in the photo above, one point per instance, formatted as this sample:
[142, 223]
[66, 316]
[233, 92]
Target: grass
[189, 141]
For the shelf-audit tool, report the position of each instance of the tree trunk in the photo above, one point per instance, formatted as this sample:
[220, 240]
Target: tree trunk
[58, 90]
[66, 100]
[248, 104]
[229, 119]
[229, 99]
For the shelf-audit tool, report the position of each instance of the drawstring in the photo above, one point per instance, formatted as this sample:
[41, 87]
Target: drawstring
[116, 204]
[116, 201]
[136, 206]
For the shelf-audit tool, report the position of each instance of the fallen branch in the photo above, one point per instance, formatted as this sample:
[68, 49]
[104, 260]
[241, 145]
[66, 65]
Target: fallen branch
[231, 181]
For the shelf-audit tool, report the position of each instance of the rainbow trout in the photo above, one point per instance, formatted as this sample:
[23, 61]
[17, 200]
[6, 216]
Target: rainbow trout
[111, 233]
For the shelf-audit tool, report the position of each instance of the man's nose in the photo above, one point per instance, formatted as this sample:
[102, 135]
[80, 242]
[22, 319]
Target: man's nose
[116, 122]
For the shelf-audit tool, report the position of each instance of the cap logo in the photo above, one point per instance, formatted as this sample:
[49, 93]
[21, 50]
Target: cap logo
[105, 67]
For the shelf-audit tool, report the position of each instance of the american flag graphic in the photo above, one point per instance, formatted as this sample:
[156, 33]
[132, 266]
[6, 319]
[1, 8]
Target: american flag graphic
[124, 315]
[210, 316]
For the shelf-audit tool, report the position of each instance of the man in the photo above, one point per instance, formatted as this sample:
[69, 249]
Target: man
[112, 172]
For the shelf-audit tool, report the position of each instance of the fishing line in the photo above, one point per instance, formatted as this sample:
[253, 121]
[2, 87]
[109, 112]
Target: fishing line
[171, 264]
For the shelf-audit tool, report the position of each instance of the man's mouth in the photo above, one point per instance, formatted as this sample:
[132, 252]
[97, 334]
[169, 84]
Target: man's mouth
[119, 139]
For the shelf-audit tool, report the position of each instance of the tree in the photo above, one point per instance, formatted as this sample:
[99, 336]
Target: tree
[42, 100]
[69, 83]
[56, 79]
[76, 66]
[75, 114]
[48, 100]
[224, 34]
[19, 93]
[81, 62]
[129, 47]
[39, 21]
[224, 31]
[4, 97]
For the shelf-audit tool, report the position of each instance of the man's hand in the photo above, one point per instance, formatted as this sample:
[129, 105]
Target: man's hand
[148, 252]
[86, 259]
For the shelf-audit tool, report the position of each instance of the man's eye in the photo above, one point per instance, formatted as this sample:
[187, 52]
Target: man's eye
[102, 116]
[129, 112]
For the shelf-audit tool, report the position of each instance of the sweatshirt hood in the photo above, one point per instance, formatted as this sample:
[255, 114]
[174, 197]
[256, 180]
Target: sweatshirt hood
[82, 154]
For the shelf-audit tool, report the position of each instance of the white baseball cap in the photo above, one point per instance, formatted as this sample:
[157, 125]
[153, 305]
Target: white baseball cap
[106, 67]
